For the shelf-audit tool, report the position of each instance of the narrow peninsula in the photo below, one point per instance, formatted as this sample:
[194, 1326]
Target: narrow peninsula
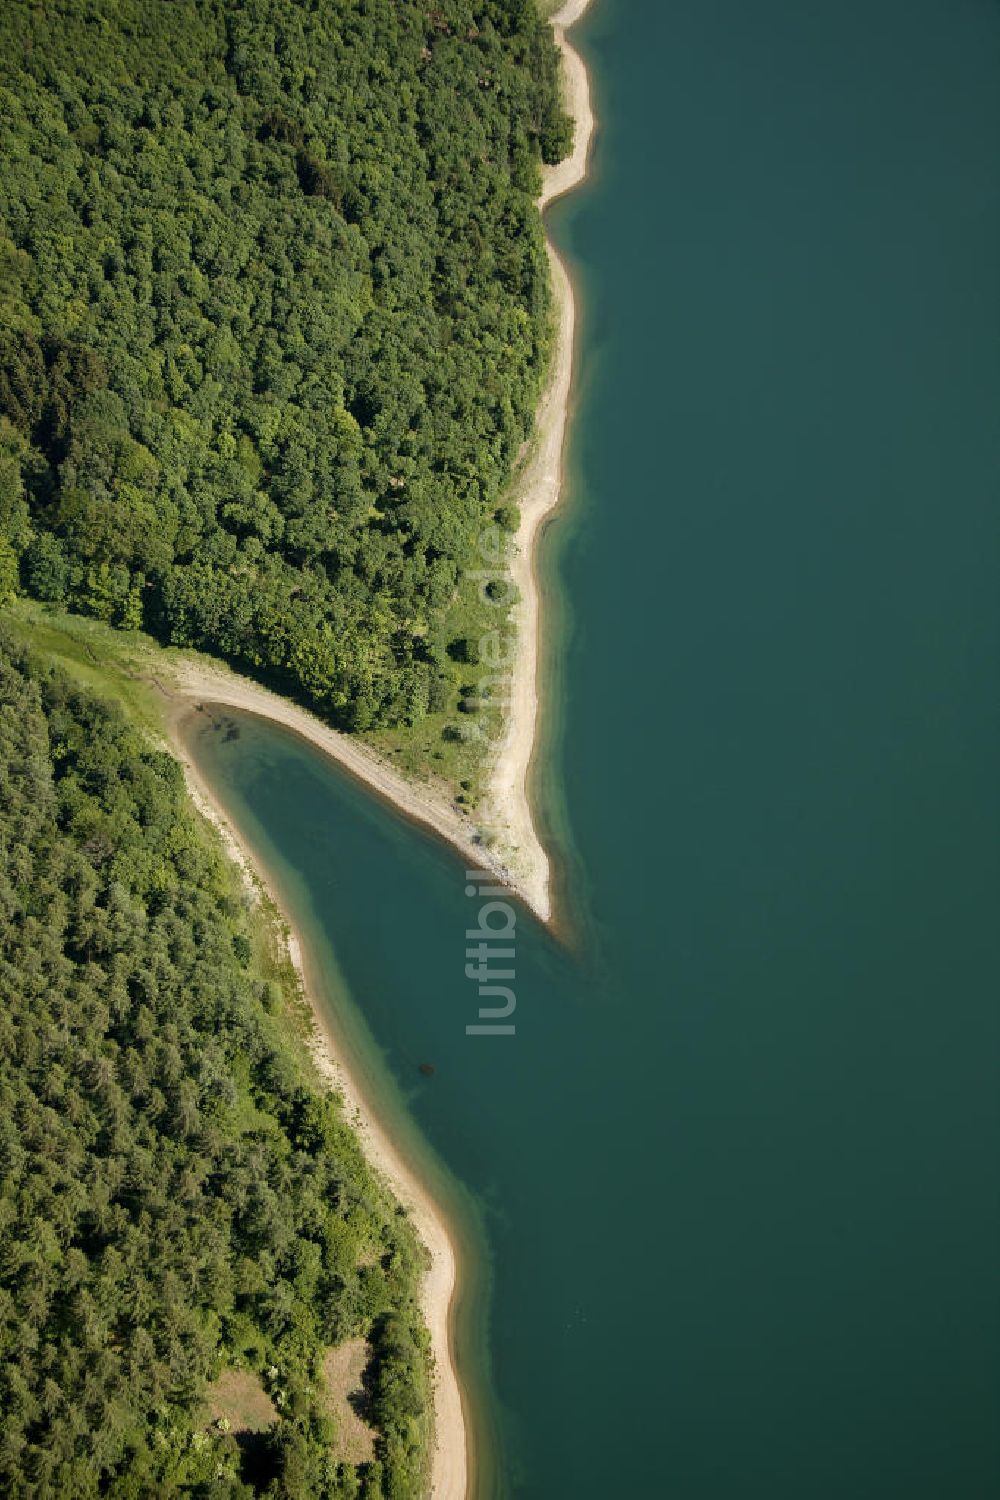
[501, 834]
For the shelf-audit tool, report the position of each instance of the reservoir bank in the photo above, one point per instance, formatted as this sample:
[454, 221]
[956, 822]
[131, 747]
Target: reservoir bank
[734, 1175]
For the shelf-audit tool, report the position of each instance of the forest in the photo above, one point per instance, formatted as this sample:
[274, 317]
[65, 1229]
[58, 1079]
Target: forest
[178, 1195]
[274, 319]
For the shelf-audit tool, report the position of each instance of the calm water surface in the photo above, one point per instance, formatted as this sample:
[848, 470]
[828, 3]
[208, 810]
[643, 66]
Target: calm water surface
[737, 1171]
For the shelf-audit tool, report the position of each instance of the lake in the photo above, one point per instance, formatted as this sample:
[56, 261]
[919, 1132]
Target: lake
[729, 1193]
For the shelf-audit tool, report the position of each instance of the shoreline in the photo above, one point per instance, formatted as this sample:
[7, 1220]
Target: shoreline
[538, 490]
[205, 681]
[516, 856]
[451, 1459]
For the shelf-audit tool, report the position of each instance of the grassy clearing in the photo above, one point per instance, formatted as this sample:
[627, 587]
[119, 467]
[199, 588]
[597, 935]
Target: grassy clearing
[343, 1378]
[453, 746]
[237, 1402]
[121, 664]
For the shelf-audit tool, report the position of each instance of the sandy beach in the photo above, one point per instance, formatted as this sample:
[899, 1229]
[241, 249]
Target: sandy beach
[507, 811]
[516, 856]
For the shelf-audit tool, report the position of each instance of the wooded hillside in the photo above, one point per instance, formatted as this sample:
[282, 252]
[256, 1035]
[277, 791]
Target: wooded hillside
[178, 1196]
[273, 320]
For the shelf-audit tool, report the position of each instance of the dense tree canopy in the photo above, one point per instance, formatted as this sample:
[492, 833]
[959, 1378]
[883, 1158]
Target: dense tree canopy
[177, 1195]
[273, 319]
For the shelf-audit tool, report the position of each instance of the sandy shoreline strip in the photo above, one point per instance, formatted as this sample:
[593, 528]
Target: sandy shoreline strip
[451, 1458]
[508, 811]
[517, 855]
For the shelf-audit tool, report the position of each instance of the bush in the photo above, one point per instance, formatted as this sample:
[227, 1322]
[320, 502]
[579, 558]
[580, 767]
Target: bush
[508, 518]
[465, 649]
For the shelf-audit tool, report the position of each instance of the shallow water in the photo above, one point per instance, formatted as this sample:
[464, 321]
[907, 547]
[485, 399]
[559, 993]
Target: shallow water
[737, 1168]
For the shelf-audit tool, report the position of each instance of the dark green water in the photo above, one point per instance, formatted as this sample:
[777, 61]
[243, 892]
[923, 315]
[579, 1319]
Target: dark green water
[738, 1168]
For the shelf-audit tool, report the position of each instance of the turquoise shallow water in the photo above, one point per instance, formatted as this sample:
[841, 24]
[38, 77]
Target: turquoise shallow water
[737, 1169]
